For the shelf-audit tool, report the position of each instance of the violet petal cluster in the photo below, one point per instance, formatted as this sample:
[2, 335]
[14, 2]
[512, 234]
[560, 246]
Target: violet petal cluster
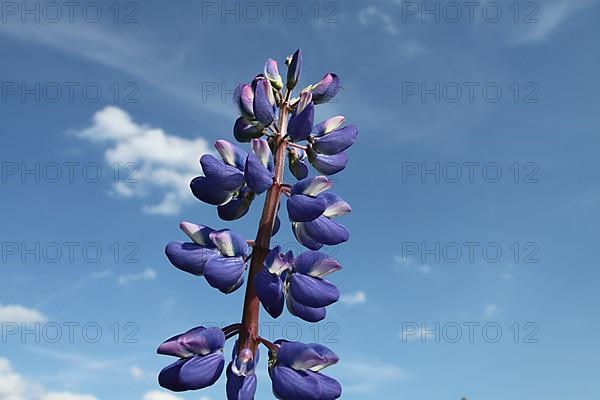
[217, 255]
[295, 372]
[201, 360]
[297, 282]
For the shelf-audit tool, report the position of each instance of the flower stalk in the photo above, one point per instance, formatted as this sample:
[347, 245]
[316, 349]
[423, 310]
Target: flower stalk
[251, 313]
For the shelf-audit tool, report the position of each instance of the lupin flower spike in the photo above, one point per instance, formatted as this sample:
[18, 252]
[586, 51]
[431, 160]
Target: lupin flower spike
[276, 125]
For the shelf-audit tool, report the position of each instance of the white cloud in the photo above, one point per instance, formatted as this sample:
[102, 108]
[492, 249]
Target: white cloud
[14, 386]
[148, 274]
[19, 314]
[410, 264]
[551, 15]
[136, 372]
[373, 15]
[490, 310]
[368, 377]
[154, 160]
[352, 299]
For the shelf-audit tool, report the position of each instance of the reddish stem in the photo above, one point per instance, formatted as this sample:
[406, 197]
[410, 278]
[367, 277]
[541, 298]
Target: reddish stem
[248, 334]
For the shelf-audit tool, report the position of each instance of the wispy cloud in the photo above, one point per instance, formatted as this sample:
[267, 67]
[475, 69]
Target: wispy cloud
[490, 310]
[410, 264]
[368, 377]
[14, 386]
[162, 162]
[75, 286]
[372, 15]
[352, 299]
[148, 274]
[156, 64]
[551, 15]
[18, 314]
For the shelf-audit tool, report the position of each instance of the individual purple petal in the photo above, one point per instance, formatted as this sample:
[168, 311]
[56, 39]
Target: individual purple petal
[258, 177]
[328, 165]
[306, 313]
[224, 273]
[336, 141]
[305, 356]
[172, 347]
[312, 186]
[303, 208]
[329, 387]
[301, 123]
[303, 237]
[261, 148]
[244, 98]
[315, 263]
[269, 290]
[198, 233]
[196, 341]
[231, 154]
[326, 231]
[229, 243]
[326, 88]
[294, 63]
[327, 126]
[264, 102]
[227, 177]
[209, 192]
[290, 384]
[298, 168]
[276, 262]
[240, 387]
[244, 361]
[335, 205]
[189, 257]
[237, 207]
[244, 131]
[203, 341]
[313, 292]
[272, 73]
[192, 373]
[304, 100]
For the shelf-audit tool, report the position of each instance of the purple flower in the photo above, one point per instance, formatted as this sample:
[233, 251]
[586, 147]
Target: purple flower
[327, 126]
[301, 123]
[218, 255]
[240, 387]
[264, 102]
[294, 374]
[336, 141]
[244, 98]
[245, 130]
[327, 164]
[300, 280]
[325, 89]
[272, 73]
[201, 359]
[296, 163]
[294, 63]
[311, 210]
[259, 166]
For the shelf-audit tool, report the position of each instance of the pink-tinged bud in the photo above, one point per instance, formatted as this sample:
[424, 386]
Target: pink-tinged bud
[272, 73]
[328, 126]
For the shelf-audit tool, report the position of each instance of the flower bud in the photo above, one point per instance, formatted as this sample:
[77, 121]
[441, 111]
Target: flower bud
[294, 63]
[272, 73]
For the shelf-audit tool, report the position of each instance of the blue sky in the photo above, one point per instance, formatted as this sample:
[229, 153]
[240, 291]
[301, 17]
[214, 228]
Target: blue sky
[105, 115]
